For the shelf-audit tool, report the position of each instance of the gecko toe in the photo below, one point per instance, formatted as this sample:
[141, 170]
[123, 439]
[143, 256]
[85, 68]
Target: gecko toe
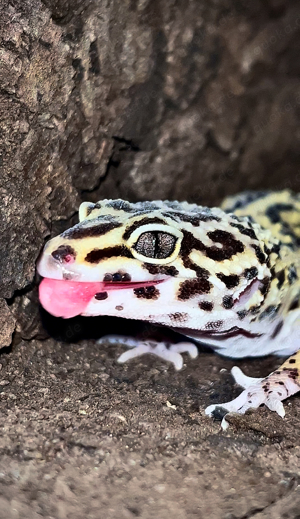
[243, 380]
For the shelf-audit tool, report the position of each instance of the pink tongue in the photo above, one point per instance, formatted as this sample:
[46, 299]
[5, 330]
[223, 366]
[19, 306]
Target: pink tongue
[67, 298]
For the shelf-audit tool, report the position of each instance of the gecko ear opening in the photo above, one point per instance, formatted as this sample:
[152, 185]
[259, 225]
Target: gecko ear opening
[246, 295]
[84, 210]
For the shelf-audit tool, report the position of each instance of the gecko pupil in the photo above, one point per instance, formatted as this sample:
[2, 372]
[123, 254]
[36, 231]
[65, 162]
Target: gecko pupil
[155, 244]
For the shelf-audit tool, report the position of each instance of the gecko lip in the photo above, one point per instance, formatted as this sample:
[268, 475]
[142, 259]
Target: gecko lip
[65, 298]
[235, 331]
[125, 285]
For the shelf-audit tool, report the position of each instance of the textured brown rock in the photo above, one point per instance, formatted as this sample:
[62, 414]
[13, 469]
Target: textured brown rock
[36, 81]
[139, 99]
[7, 324]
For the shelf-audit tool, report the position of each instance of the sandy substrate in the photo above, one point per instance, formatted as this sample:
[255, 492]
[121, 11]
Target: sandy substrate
[84, 437]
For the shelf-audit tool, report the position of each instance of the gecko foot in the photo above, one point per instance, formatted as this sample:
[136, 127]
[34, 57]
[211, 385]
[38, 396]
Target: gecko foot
[170, 352]
[257, 391]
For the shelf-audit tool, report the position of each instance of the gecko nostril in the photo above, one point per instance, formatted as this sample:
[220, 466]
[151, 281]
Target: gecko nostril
[68, 258]
[64, 254]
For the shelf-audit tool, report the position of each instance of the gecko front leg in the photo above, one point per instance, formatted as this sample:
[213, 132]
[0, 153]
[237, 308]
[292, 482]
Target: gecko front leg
[164, 350]
[270, 391]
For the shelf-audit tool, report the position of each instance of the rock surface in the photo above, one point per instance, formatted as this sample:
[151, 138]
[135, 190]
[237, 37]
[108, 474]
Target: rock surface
[135, 99]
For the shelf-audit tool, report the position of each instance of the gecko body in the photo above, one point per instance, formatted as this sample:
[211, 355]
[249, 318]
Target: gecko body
[226, 277]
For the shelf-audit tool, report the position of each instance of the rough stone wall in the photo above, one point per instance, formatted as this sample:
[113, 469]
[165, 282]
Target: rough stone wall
[136, 99]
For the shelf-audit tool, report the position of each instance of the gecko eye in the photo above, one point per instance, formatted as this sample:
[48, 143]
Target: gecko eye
[156, 244]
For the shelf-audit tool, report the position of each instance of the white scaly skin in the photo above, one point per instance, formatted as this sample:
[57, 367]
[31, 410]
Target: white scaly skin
[226, 279]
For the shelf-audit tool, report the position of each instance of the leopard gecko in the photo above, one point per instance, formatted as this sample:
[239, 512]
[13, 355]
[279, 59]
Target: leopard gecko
[226, 277]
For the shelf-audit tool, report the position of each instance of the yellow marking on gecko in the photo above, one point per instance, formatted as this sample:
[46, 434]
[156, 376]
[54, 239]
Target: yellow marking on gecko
[227, 277]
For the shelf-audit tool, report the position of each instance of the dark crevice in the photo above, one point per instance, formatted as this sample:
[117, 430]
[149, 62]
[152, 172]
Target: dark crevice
[121, 145]
[212, 143]
[129, 144]
[6, 350]
[94, 58]
[20, 292]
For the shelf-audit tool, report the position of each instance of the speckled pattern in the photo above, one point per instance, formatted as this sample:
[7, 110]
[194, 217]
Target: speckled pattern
[231, 272]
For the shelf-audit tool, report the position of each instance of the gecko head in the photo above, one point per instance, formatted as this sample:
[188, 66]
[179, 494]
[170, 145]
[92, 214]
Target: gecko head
[167, 262]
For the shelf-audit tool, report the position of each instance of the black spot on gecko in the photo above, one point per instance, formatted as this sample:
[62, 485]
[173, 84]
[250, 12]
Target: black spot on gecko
[292, 274]
[294, 304]
[259, 254]
[254, 309]
[276, 249]
[270, 311]
[246, 198]
[281, 278]
[264, 285]
[116, 277]
[229, 281]
[96, 255]
[62, 252]
[250, 273]
[173, 204]
[201, 216]
[200, 271]
[79, 231]
[192, 287]
[293, 373]
[214, 325]
[207, 306]
[169, 270]
[242, 314]
[146, 292]
[180, 317]
[121, 205]
[147, 206]
[92, 207]
[244, 230]
[139, 223]
[277, 329]
[231, 246]
[273, 212]
[100, 296]
[228, 302]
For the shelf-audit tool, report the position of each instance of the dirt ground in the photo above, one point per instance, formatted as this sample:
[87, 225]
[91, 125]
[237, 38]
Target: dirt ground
[85, 437]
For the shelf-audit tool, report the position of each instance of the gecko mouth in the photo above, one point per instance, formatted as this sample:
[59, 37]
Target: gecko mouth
[64, 298]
